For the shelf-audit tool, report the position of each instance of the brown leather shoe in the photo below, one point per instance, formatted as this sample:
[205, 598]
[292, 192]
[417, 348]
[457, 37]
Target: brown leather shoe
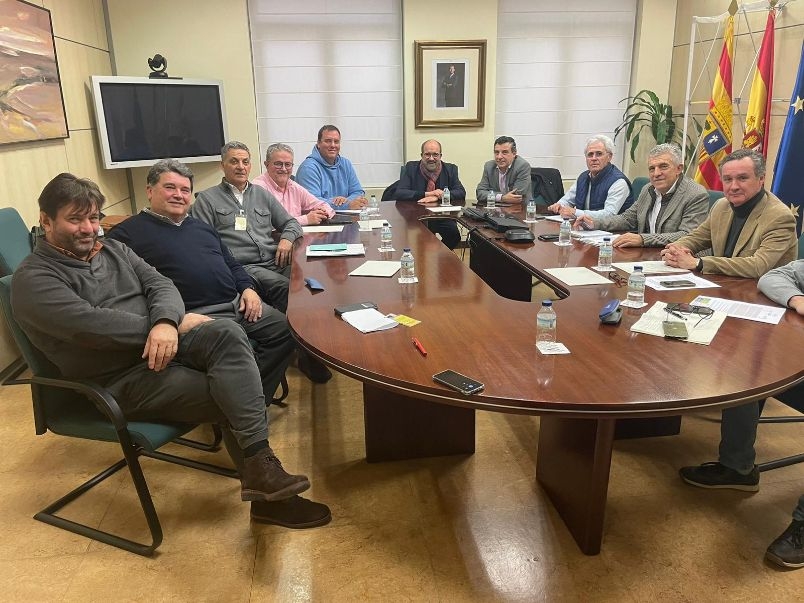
[294, 512]
[264, 478]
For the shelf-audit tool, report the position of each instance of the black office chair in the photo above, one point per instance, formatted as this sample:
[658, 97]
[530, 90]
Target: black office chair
[547, 185]
[84, 410]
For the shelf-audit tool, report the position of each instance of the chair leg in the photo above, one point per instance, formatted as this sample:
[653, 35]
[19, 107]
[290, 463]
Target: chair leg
[201, 466]
[47, 515]
[785, 462]
[285, 391]
[213, 446]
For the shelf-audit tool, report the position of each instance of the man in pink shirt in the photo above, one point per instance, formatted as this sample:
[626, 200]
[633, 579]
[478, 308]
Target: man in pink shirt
[298, 202]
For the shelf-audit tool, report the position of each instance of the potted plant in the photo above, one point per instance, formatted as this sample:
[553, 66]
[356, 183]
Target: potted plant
[645, 110]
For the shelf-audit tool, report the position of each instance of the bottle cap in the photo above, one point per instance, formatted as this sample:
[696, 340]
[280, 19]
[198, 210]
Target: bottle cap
[637, 268]
[406, 249]
[547, 302]
[607, 238]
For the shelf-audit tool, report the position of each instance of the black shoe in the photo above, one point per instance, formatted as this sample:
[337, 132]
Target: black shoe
[295, 512]
[715, 475]
[313, 368]
[788, 549]
[263, 478]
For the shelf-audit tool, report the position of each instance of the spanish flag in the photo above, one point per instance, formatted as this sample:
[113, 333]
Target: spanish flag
[716, 135]
[757, 120]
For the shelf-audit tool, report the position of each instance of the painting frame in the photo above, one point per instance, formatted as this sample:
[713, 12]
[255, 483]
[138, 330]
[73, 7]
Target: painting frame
[450, 83]
[31, 92]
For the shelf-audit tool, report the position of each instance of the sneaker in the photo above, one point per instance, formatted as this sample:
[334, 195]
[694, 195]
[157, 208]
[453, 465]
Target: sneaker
[715, 475]
[294, 512]
[788, 549]
[263, 478]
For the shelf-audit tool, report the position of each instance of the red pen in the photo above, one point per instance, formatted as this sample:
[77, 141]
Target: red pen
[419, 346]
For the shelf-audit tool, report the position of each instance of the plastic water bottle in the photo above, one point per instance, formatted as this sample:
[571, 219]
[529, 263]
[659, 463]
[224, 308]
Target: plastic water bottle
[364, 218]
[564, 237]
[530, 211]
[604, 256]
[636, 286]
[374, 206]
[491, 200]
[408, 267]
[385, 237]
[546, 322]
[445, 198]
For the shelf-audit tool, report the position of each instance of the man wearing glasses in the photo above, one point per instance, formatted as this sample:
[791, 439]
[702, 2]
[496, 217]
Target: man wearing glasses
[602, 190]
[671, 207]
[507, 176]
[750, 232]
[424, 182]
[296, 199]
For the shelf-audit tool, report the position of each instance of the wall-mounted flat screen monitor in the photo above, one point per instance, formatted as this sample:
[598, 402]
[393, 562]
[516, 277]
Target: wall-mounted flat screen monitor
[142, 120]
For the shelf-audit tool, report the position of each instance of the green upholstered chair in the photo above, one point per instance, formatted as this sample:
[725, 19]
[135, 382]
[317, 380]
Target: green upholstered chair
[637, 185]
[15, 240]
[84, 410]
[714, 196]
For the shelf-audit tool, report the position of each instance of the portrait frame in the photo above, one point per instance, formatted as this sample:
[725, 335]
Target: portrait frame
[30, 84]
[450, 87]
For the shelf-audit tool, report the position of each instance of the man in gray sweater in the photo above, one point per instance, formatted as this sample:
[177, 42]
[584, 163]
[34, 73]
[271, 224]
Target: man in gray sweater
[99, 312]
[671, 207]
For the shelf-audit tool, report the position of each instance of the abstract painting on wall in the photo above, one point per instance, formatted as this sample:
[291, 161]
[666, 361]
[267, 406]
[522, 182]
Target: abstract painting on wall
[31, 101]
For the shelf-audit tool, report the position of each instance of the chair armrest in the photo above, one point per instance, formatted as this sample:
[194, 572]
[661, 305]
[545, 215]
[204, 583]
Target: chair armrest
[104, 401]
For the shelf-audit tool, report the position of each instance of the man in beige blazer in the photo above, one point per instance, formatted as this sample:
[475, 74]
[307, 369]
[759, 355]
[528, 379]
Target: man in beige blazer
[750, 231]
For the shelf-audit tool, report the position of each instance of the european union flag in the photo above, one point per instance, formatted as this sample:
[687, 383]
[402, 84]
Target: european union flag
[788, 174]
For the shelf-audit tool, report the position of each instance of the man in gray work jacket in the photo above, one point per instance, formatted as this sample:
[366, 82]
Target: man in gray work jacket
[245, 217]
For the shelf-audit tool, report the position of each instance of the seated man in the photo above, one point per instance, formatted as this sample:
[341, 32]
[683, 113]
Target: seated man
[785, 286]
[603, 190]
[507, 176]
[296, 199]
[328, 175]
[750, 232]
[424, 182]
[245, 216]
[211, 282]
[665, 211]
[99, 312]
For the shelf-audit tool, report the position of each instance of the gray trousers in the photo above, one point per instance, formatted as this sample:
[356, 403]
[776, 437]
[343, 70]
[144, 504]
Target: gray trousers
[270, 335]
[212, 379]
[738, 432]
[273, 283]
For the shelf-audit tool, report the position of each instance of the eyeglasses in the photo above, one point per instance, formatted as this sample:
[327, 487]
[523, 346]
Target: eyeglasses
[288, 165]
[431, 155]
[678, 309]
[591, 154]
[618, 280]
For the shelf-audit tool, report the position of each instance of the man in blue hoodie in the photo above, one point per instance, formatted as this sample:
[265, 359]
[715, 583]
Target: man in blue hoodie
[329, 176]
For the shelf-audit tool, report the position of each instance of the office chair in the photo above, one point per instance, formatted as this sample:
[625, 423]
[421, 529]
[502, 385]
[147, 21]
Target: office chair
[637, 185]
[81, 409]
[547, 185]
[714, 196]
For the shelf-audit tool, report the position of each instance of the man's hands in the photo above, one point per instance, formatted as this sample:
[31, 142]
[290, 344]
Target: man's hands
[628, 239]
[797, 303]
[191, 321]
[512, 197]
[433, 196]
[316, 215]
[161, 345]
[679, 257]
[283, 253]
[250, 305]
[357, 203]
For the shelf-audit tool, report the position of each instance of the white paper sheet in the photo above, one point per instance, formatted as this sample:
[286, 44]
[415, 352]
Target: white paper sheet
[441, 209]
[351, 249]
[651, 267]
[578, 276]
[756, 312]
[323, 228]
[377, 268]
[366, 225]
[699, 330]
[347, 211]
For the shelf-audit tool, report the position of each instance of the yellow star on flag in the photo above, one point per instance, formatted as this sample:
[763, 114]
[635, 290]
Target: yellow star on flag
[798, 105]
[794, 210]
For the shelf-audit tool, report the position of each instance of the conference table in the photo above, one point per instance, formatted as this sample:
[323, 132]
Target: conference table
[614, 383]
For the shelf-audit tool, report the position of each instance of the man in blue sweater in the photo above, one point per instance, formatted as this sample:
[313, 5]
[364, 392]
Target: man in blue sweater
[209, 279]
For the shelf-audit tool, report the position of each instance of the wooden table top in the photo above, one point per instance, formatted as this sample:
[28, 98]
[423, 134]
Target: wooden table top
[467, 327]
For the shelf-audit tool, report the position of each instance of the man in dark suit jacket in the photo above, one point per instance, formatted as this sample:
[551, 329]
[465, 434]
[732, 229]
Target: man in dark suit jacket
[424, 182]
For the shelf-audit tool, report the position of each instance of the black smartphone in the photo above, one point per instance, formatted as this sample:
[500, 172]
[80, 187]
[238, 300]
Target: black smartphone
[461, 383]
[548, 237]
[352, 307]
[676, 284]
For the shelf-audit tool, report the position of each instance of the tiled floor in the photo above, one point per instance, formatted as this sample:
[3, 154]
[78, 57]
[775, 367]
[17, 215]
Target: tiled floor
[470, 528]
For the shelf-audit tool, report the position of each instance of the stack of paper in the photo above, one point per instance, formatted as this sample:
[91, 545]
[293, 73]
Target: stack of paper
[440, 209]
[700, 329]
[377, 268]
[369, 320]
[651, 267]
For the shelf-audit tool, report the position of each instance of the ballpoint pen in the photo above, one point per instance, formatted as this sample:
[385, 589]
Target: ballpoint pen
[674, 313]
[419, 346]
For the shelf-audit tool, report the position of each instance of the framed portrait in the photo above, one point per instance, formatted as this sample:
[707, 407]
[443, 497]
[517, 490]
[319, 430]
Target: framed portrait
[450, 83]
[31, 99]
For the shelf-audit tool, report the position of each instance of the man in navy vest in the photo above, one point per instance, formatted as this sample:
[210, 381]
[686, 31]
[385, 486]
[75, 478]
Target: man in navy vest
[603, 190]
